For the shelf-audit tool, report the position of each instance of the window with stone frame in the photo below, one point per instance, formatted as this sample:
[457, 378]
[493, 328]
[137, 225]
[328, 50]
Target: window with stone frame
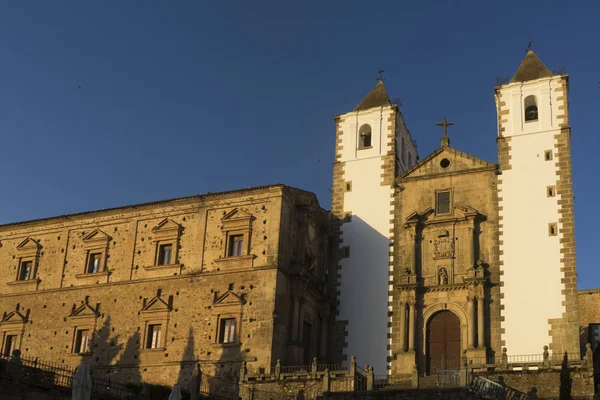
[96, 247]
[236, 245]
[155, 315]
[94, 263]
[166, 236]
[442, 202]
[10, 344]
[28, 259]
[12, 327]
[26, 270]
[165, 254]
[82, 341]
[154, 336]
[227, 315]
[83, 320]
[236, 228]
[227, 331]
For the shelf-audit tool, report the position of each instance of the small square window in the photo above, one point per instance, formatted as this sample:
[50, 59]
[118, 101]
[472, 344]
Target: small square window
[547, 155]
[236, 243]
[10, 344]
[165, 254]
[551, 191]
[442, 203]
[94, 263]
[82, 341]
[227, 331]
[552, 229]
[26, 270]
[154, 335]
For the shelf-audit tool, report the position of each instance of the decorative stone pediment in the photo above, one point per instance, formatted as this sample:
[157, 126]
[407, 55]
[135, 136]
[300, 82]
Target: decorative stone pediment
[157, 304]
[228, 298]
[454, 162]
[96, 238]
[167, 228]
[236, 219]
[15, 317]
[428, 217]
[85, 310]
[29, 246]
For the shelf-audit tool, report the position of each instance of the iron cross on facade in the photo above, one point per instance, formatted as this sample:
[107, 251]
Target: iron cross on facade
[380, 72]
[445, 124]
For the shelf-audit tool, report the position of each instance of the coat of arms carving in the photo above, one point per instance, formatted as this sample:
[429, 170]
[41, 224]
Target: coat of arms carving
[443, 247]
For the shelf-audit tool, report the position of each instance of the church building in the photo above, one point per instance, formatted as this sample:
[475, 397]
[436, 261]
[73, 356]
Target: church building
[454, 256]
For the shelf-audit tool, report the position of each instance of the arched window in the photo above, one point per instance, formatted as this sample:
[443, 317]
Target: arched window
[409, 159]
[531, 109]
[364, 140]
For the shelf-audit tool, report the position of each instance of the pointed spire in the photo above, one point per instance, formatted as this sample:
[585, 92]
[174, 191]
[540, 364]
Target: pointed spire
[377, 97]
[531, 68]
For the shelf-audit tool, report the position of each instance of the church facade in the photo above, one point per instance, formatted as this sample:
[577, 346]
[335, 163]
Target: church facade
[479, 252]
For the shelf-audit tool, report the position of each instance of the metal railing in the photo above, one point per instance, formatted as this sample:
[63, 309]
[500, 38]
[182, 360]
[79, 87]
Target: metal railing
[291, 369]
[485, 388]
[524, 359]
[381, 381]
[332, 367]
[448, 378]
[219, 388]
[105, 387]
[47, 374]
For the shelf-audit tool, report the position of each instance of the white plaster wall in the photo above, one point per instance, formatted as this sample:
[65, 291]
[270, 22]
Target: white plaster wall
[532, 268]
[365, 274]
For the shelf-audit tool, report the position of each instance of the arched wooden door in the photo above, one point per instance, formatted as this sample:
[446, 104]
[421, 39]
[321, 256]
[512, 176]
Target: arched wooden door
[443, 342]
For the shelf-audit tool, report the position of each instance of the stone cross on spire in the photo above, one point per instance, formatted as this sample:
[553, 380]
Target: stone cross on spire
[380, 72]
[445, 139]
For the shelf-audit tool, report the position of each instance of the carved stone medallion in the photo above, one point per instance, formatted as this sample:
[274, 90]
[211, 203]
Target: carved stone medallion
[443, 247]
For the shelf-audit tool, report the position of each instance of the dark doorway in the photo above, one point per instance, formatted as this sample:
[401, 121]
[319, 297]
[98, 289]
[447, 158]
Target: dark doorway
[443, 342]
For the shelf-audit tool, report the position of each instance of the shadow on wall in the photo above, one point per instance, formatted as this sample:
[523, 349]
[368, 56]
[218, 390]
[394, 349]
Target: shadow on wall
[128, 366]
[364, 291]
[106, 348]
[219, 379]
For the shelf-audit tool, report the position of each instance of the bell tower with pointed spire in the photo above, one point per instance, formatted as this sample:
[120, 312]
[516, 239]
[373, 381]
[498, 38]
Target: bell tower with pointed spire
[536, 236]
[373, 146]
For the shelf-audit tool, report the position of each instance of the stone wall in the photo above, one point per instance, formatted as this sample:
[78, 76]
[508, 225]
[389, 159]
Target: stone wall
[285, 235]
[546, 382]
[589, 306]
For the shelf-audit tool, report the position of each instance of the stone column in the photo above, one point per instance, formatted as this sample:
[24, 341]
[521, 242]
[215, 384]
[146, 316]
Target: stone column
[410, 262]
[470, 323]
[295, 318]
[480, 322]
[415, 255]
[472, 250]
[411, 326]
[402, 316]
[323, 349]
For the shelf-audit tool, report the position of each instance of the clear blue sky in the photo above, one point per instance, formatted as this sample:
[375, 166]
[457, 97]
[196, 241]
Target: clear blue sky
[182, 97]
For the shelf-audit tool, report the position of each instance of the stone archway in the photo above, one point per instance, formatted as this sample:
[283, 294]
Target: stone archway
[443, 337]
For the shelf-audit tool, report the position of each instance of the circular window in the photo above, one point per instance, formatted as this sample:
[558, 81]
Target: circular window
[445, 163]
